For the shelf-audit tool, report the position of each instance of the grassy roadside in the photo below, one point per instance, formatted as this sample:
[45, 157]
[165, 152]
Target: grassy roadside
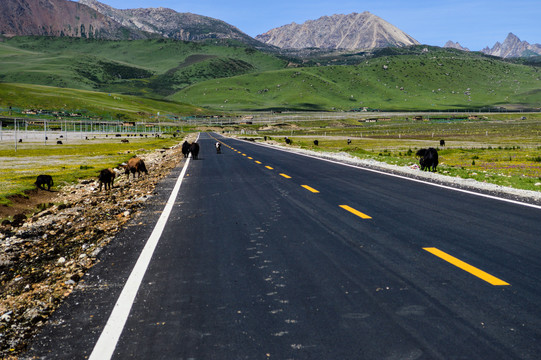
[516, 166]
[66, 163]
[500, 149]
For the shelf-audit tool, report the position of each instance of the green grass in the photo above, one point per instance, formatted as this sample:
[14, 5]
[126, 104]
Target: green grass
[222, 75]
[502, 149]
[153, 68]
[66, 163]
[90, 103]
[403, 82]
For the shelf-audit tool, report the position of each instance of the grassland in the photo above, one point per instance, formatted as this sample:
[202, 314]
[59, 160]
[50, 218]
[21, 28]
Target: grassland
[152, 68]
[503, 149]
[66, 163]
[228, 76]
[90, 103]
[432, 80]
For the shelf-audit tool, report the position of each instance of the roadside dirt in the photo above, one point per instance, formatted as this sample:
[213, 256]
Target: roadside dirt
[34, 199]
[44, 256]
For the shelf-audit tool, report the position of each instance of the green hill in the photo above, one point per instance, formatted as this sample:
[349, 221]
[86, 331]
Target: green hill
[90, 103]
[226, 75]
[141, 67]
[432, 79]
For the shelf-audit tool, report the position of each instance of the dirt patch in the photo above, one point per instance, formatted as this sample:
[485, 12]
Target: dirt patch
[36, 199]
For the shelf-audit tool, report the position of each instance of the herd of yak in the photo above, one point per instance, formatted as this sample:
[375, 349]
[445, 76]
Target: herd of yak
[428, 160]
[106, 177]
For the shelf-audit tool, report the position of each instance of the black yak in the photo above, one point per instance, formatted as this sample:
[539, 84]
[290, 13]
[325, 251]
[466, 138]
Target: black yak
[428, 159]
[185, 149]
[43, 180]
[107, 176]
[194, 149]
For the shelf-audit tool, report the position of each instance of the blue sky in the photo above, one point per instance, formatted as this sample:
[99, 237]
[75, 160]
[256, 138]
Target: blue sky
[474, 23]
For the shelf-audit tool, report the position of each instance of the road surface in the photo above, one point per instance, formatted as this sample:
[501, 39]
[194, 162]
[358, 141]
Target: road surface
[268, 254]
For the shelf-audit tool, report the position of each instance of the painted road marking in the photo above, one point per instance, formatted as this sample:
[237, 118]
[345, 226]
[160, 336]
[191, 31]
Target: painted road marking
[258, 162]
[251, 158]
[243, 154]
[104, 348]
[310, 189]
[359, 167]
[356, 212]
[466, 267]
[286, 176]
[268, 167]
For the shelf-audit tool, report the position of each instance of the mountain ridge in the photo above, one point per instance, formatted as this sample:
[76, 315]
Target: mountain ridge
[172, 24]
[352, 32]
[60, 18]
[512, 47]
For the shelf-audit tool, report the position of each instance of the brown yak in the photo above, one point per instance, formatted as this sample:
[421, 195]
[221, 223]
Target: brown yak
[136, 165]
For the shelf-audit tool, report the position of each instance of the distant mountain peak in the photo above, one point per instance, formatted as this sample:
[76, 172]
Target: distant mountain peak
[455, 45]
[352, 32]
[512, 46]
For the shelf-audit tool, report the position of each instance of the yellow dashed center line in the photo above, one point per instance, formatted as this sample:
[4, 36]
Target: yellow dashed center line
[356, 212]
[286, 176]
[258, 162]
[268, 167]
[310, 189]
[251, 158]
[466, 267]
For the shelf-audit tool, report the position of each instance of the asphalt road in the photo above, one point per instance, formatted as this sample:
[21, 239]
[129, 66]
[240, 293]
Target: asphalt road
[272, 255]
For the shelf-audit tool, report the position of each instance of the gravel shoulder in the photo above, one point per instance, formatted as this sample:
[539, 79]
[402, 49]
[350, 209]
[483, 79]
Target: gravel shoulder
[43, 257]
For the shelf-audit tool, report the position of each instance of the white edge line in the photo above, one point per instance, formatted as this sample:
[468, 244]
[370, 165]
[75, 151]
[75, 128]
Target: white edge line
[110, 335]
[398, 176]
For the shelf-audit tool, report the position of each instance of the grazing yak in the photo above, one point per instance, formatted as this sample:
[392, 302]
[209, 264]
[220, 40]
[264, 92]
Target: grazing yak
[107, 176]
[442, 142]
[316, 143]
[428, 159]
[194, 149]
[43, 180]
[185, 149]
[136, 165]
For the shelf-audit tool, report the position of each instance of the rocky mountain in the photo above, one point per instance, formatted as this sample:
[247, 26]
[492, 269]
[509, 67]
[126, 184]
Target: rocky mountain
[59, 18]
[171, 24]
[352, 32]
[455, 45]
[513, 47]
